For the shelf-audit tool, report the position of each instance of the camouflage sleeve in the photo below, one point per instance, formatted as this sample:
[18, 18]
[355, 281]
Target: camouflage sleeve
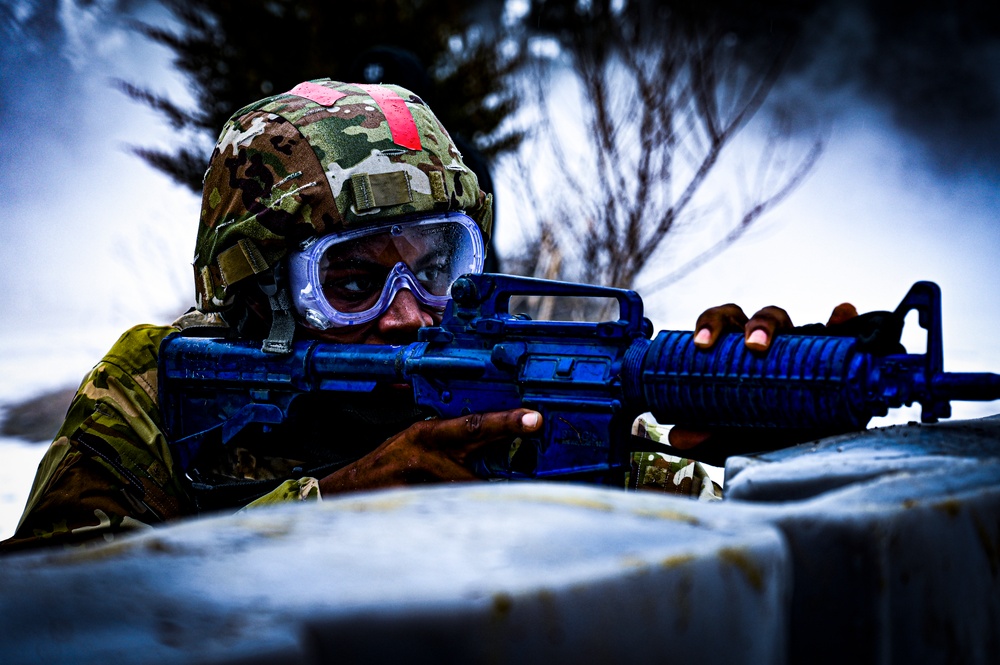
[660, 472]
[109, 468]
[303, 489]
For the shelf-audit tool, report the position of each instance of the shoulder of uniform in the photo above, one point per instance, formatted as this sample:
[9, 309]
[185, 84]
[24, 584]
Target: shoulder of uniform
[197, 319]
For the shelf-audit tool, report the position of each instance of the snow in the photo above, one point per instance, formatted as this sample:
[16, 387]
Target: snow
[19, 462]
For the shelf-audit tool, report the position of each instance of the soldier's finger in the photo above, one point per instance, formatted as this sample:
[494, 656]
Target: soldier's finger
[715, 321]
[480, 428]
[762, 326]
[684, 439]
[842, 313]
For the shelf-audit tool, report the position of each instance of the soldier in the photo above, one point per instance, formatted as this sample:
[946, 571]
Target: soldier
[329, 163]
[338, 212]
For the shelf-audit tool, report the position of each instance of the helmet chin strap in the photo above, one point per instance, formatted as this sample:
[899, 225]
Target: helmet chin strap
[274, 286]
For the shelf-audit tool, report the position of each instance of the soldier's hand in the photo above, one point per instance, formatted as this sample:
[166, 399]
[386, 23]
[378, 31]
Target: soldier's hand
[431, 451]
[758, 333]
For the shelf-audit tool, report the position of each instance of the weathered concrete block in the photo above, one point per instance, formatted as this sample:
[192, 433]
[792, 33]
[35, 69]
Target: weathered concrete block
[895, 541]
[496, 573]
[879, 547]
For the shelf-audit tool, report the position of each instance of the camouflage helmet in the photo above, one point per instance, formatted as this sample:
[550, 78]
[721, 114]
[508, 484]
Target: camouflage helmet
[324, 157]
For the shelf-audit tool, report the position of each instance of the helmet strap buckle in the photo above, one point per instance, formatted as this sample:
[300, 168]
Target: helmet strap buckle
[272, 284]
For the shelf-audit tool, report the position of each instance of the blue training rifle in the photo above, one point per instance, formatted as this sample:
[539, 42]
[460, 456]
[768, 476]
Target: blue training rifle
[589, 380]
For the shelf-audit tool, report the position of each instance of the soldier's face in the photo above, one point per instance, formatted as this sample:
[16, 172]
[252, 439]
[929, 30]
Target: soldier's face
[397, 325]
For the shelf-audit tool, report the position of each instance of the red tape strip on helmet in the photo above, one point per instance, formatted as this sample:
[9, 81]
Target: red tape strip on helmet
[317, 93]
[401, 124]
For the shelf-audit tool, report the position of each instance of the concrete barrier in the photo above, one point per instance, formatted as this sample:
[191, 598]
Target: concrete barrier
[895, 541]
[880, 547]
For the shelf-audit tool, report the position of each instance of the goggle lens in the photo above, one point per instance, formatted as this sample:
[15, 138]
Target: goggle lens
[351, 278]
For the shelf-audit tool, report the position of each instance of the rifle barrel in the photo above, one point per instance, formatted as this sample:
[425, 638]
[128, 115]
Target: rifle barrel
[970, 386]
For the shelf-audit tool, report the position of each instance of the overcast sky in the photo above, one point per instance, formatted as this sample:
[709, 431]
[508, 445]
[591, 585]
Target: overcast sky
[95, 241]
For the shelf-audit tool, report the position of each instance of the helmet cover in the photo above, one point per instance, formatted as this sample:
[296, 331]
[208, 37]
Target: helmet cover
[322, 158]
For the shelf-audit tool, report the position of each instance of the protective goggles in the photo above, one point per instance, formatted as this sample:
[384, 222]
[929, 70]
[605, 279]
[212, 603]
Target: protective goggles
[350, 278]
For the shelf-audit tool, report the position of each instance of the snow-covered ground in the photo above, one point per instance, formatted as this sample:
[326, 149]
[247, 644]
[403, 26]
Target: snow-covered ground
[19, 462]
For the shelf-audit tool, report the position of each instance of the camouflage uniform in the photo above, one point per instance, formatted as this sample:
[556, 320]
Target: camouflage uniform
[660, 472]
[109, 468]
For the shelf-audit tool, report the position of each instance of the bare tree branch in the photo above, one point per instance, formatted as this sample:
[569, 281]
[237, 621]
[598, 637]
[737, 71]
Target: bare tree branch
[748, 218]
[664, 89]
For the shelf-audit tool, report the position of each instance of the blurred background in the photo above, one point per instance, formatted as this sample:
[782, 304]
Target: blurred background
[792, 153]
